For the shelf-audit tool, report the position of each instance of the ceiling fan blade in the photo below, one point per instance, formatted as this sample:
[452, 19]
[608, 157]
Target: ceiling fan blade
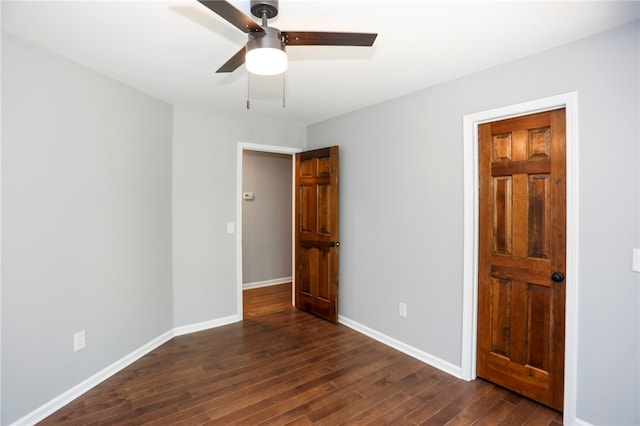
[233, 15]
[234, 62]
[315, 38]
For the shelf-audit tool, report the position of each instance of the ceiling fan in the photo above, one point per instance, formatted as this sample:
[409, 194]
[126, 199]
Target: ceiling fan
[264, 52]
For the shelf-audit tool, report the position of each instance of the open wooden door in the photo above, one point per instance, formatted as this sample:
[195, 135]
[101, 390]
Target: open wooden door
[521, 257]
[317, 232]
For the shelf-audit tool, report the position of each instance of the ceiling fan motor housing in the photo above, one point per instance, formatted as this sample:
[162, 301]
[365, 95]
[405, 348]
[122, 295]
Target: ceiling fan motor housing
[271, 38]
[261, 7]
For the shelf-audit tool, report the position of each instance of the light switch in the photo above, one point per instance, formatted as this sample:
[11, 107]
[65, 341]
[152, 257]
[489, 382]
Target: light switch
[636, 260]
[231, 228]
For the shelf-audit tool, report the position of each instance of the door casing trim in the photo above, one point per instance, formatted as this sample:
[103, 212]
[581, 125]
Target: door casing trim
[470, 234]
[245, 146]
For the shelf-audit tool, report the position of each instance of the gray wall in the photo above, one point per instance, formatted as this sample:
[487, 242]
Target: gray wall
[86, 224]
[204, 200]
[402, 202]
[266, 220]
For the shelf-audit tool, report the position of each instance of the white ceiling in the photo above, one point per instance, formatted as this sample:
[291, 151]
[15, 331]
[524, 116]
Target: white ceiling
[171, 49]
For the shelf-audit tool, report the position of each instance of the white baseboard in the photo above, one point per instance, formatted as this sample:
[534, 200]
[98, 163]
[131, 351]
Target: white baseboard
[580, 423]
[63, 399]
[205, 325]
[425, 357]
[266, 283]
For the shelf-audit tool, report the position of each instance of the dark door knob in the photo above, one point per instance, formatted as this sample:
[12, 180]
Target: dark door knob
[557, 277]
[334, 243]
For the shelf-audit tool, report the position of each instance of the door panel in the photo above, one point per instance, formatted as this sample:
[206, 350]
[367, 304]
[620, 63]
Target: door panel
[317, 232]
[521, 243]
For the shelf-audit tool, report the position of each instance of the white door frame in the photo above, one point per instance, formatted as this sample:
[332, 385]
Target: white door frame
[244, 146]
[470, 256]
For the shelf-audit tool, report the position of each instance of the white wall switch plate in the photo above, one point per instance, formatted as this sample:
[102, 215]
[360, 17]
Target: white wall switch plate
[635, 266]
[231, 228]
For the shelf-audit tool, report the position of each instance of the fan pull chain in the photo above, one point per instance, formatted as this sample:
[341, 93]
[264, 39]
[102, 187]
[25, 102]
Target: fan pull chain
[284, 81]
[248, 90]
[284, 85]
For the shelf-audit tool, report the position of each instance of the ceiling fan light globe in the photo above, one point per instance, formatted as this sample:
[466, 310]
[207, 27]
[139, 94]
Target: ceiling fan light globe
[266, 61]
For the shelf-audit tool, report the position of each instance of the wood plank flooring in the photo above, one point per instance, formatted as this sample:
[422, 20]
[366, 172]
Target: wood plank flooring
[283, 367]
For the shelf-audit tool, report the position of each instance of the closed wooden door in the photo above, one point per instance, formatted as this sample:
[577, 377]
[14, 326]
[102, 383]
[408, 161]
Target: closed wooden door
[521, 257]
[317, 232]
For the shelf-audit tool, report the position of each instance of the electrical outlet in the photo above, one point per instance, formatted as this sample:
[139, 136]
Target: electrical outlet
[402, 309]
[79, 341]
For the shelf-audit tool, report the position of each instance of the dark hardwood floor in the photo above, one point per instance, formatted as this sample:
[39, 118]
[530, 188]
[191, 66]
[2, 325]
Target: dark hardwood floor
[284, 367]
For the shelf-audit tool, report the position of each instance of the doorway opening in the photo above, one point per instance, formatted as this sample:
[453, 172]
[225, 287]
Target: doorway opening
[471, 235]
[256, 148]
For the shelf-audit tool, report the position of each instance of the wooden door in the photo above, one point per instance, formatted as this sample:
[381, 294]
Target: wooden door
[317, 232]
[521, 257]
